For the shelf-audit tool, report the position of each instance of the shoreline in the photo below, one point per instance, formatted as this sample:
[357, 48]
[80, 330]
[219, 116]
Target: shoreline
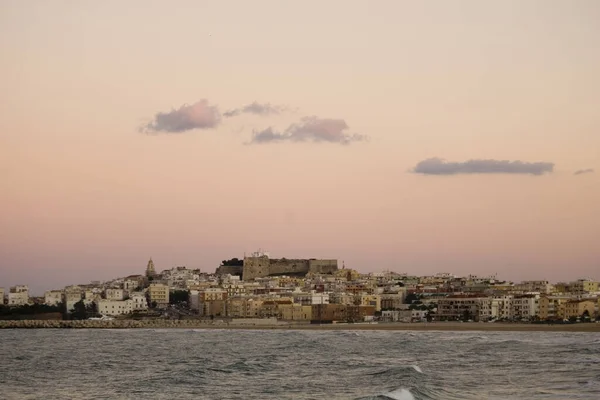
[282, 325]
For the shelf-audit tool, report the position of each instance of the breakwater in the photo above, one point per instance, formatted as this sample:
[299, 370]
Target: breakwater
[272, 323]
[129, 324]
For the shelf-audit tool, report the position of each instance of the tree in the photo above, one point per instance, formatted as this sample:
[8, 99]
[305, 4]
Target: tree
[410, 298]
[466, 315]
[179, 297]
[84, 311]
[233, 262]
[585, 316]
[429, 316]
[79, 311]
[91, 309]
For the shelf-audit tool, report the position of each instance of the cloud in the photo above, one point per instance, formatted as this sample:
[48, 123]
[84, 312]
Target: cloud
[310, 129]
[199, 115]
[256, 108]
[583, 171]
[438, 166]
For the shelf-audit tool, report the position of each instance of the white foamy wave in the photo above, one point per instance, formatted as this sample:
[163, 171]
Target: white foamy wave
[400, 394]
[417, 368]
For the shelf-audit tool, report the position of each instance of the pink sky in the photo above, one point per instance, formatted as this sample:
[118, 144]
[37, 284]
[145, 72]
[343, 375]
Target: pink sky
[85, 195]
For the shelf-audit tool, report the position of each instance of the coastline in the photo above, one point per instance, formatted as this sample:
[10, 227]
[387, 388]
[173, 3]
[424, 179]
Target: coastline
[271, 324]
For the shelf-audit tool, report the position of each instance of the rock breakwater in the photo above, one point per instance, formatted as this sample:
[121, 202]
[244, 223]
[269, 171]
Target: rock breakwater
[128, 324]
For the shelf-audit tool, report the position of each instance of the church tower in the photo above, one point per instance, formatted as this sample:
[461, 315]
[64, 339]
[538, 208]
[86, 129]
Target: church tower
[150, 271]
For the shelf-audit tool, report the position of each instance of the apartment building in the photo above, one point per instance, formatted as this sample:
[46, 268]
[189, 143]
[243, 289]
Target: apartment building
[53, 297]
[243, 307]
[543, 287]
[159, 294]
[582, 286]
[308, 299]
[552, 307]
[525, 307]
[295, 312]
[460, 307]
[577, 308]
[329, 313]
[115, 294]
[234, 289]
[369, 300]
[392, 301]
[18, 295]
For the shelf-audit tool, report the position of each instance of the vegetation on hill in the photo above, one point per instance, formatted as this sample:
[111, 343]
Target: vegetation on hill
[234, 262]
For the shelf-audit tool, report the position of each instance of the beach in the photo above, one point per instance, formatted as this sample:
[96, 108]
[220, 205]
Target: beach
[272, 324]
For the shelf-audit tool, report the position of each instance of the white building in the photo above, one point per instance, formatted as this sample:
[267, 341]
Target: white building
[139, 301]
[525, 307]
[496, 308]
[194, 299]
[115, 294]
[130, 285]
[53, 297]
[18, 295]
[115, 307]
[308, 299]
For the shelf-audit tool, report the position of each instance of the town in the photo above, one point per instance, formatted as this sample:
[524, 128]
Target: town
[258, 287]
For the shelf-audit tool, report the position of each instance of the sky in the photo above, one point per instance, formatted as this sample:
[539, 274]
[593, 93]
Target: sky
[415, 137]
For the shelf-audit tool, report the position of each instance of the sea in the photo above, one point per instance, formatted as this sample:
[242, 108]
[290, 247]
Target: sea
[297, 364]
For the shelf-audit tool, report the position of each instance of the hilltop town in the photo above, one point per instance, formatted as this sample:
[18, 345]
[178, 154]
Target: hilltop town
[258, 287]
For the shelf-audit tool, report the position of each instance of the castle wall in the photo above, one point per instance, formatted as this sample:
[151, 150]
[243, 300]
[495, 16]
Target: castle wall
[255, 267]
[258, 267]
[322, 266]
[284, 266]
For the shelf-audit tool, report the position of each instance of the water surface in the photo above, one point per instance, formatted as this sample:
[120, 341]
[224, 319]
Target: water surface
[279, 364]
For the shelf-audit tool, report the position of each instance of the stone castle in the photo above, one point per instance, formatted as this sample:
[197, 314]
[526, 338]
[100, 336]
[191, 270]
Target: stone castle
[259, 265]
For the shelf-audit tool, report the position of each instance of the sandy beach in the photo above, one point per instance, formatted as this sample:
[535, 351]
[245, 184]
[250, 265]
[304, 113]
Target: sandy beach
[457, 326]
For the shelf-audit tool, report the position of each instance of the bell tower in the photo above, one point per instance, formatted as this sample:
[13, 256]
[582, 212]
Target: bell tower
[150, 271]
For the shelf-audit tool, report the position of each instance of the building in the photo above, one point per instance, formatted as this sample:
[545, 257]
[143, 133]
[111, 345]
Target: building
[332, 313]
[130, 285]
[497, 308]
[72, 295]
[140, 303]
[295, 312]
[543, 287]
[552, 307]
[159, 294]
[243, 307]
[369, 300]
[234, 289]
[308, 299]
[578, 308]
[341, 298]
[115, 307]
[53, 297]
[1, 296]
[525, 307]
[582, 286]
[460, 307]
[392, 301]
[115, 294]
[18, 295]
